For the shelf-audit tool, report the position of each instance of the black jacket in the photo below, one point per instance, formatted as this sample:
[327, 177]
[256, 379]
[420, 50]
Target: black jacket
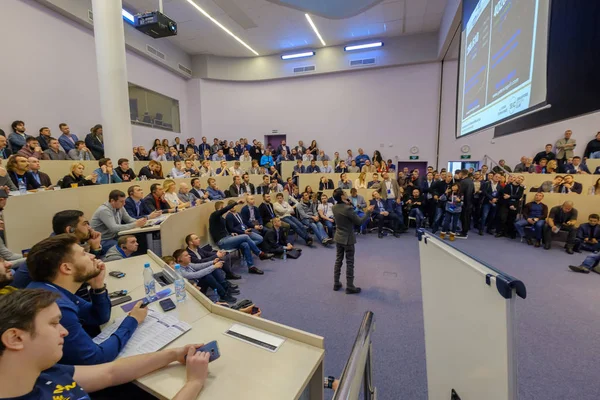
[150, 203]
[270, 243]
[216, 224]
[467, 188]
[267, 213]
[80, 180]
[129, 172]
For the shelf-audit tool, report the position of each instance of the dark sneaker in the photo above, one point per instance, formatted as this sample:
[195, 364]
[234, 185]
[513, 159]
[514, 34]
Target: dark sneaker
[353, 290]
[578, 268]
[228, 299]
[254, 270]
[337, 286]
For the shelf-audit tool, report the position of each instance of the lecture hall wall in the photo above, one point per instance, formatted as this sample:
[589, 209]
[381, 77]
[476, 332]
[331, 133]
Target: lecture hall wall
[48, 74]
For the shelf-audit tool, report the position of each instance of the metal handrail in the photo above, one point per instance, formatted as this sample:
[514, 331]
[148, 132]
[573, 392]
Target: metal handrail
[486, 158]
[359, 365]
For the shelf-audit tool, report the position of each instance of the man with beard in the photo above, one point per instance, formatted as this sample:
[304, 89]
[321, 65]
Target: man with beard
[6, 277]
[59, 264]
[67, 221]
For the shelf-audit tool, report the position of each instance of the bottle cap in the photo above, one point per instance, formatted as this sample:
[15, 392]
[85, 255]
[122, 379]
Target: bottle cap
[177, 266]
[147, 265]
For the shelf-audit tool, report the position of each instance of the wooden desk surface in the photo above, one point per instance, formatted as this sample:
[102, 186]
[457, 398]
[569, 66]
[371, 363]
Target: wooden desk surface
[145, 229]
[244, 371]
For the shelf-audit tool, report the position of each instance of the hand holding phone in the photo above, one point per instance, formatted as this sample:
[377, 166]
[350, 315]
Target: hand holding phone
[211, 348]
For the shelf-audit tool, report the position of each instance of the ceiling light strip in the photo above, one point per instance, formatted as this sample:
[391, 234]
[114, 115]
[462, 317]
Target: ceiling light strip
[363, 46]
[127, 15]
[312, 24]
[207, 15]
[297, 55]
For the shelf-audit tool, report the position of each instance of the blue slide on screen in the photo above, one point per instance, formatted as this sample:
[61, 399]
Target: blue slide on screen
[502, 68]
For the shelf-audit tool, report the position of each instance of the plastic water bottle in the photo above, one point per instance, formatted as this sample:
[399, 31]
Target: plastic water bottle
[179, 285]
[284, 254]
[22, 187]
[149, 284]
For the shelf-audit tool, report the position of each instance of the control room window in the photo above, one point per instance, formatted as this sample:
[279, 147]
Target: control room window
[152, 109]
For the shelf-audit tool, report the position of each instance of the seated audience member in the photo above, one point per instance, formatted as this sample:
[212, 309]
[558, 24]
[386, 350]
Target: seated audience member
[236, 224]
[414, 205]
[152, 171]
[142, 154]
[275, 186]
[111, 218]
[204, 275]
[203, 254]
[185, 196]
[205, 156]
[200, 195]
[588, 235]
[547, 154]
[361, 181]
[172, 154]
[307, 156]
[341, 167]
[552, 186]
[299, 168]
[289, 185]
[245, 157]
[265, 186]
[123, 171]
[276, 239]
[368, 167]
[561, 218]
[236, 169]
[190, 168]
[576, 167]
[325, 210]
[552, 167]
[454, 202]
[344, 182]
[155, 201]
[190, 155]
[382, 214]
[223, 170]
[32, 149]
[106, 173]
[248, 187]
[178, 171]
[540, 168]
[313, 168]
[54, 152]
[502, 167]
[267, 159]
[206, 169]
[18, 136]
[309, 215]
[223, 239]
[326, 168]
[359, 205]
[4, 150]
[67, 139]
[95, 141]
[18, 170]
[219, 156]
[171, 196]
[361, 159]
[5, 253]
[525, 165]
[158, 154]
[353, 168]
[595, 189]
[325, 184]
[82, 153]
[375, 183]
[534, 215]
[294, 155]
[391, 167]
[322, 156]
[6, 278]
[589, 264]
[42, 178]
[237, 189]
[266, 211]
[135, 205]
[389, 190]
[60, 265]
[283, 156]
[76, 177]
[286, 212]
[32, 338]
[570, 186]
[214, 193]
[592, 150]
[125, 247]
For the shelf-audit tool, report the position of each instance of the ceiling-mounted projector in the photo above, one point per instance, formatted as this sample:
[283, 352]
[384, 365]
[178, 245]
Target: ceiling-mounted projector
[155, 24]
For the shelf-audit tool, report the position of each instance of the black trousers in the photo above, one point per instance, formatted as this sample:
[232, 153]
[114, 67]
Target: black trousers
[392, 216]
[348, 251]
[570, 229]
[506, 220]
[465, 218]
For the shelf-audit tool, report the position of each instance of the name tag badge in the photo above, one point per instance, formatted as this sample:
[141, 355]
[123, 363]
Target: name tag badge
[389, 191]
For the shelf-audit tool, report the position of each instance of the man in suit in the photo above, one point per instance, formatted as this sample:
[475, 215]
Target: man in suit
[570, 186]
[588, 235]
[266, 212]
[275, 240]
[179, 146]
[251, 215]
[34, 167]
[509, 201]
[345, 221]
[565, 147]
[389, 189]
[135, 205]
[236, 189]
[197, 191]
[282, 147]
[576, 167]
[236, 224]
[381, 214]
[204, 254]
[155, 201]
[95, 142]
[248, 187]
[467, 188]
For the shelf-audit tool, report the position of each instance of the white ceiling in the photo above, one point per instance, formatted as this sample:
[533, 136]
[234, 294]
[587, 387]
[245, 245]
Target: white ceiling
[272, 29]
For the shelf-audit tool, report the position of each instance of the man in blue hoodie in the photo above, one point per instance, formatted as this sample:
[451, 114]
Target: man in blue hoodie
[106, 173]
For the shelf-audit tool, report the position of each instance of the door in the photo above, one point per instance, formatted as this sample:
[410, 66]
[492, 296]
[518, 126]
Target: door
[274, 141]
[411, 165]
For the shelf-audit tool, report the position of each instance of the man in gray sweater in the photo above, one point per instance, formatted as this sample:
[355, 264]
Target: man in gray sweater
[126, 246]
[111, 218]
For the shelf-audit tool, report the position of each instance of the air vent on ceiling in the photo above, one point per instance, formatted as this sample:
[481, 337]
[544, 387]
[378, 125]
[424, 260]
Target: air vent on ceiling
[91, 16]
[302, 70]
[185, 70]
[156, 53]
[364, 62]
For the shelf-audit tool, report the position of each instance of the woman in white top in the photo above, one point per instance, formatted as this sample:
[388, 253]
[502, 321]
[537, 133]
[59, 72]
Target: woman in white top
[595, 190]
[325, 210]
[361, 181]
[171, 196]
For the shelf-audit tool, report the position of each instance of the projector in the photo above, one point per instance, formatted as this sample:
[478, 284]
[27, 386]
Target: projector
[155, 24]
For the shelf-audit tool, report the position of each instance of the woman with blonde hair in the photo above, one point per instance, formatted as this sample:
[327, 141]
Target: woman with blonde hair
[76, 178]
[171, 196]
[255, 168]
[551, 167]
[361, 181]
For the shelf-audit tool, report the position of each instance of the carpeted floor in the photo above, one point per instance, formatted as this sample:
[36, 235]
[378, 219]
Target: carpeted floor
[558, 323]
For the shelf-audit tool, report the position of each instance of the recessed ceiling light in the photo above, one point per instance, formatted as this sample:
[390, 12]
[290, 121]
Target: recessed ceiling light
[310, 21]
[207, 15]
[297, 55]
[363, 46]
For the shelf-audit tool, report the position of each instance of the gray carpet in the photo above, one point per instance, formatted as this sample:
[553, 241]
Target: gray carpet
[558, 350]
